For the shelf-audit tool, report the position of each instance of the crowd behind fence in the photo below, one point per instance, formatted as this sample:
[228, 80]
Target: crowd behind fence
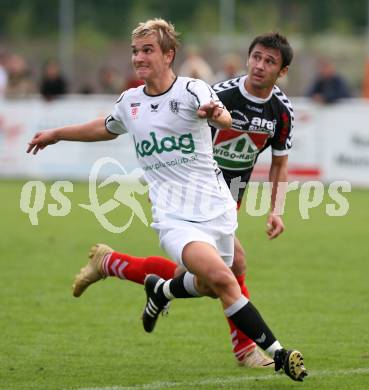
[22, 75]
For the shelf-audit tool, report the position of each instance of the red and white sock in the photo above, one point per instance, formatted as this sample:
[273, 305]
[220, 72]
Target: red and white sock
[242, 344]
[135, 269]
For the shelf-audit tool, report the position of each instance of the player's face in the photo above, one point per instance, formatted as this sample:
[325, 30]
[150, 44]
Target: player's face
[148, 60]
[264, 67]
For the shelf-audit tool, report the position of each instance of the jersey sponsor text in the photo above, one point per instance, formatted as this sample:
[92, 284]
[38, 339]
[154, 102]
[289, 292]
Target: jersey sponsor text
[184, 143]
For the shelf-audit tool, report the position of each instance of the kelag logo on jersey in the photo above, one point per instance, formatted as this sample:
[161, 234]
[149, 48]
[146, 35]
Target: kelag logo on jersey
[236, 149]
[184, 143]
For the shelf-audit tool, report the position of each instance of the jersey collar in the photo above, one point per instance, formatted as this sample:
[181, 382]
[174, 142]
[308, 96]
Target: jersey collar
[160, 94]
[247, 95]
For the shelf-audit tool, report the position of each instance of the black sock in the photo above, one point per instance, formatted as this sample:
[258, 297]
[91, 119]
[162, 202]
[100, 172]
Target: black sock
[178, 289]
[247, 318]
[181, 286]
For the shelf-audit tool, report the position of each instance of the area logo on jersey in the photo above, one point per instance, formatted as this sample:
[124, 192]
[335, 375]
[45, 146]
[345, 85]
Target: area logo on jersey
[235, 149]
[154, 107]
[263, 125]
[239, 120]
[174, 106]
[146, 147]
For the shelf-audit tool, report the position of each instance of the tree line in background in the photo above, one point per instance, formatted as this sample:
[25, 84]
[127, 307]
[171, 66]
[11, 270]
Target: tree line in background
[100, 19]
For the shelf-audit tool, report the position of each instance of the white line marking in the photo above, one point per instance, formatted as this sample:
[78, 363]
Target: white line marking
[231, 380]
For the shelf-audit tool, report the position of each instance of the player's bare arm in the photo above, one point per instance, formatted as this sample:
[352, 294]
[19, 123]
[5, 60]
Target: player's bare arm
[216, 113]
[87, 132]
[278, 176]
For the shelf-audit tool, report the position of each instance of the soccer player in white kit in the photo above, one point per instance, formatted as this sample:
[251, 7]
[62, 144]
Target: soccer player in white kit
[193, 210]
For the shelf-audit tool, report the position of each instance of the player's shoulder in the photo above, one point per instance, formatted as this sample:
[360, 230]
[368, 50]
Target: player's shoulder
[190, 83]
[194, 88]
[131, 92]
[228, 84]
[282, 99]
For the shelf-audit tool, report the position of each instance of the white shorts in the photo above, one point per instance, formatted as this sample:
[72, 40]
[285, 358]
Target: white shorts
[219, 232]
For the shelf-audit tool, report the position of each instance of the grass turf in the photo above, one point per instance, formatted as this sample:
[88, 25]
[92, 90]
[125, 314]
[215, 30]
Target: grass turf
[311, 285]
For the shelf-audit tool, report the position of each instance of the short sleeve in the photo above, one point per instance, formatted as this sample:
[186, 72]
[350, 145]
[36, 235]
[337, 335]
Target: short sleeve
[201, 93]
[282, 141]
[114, 122]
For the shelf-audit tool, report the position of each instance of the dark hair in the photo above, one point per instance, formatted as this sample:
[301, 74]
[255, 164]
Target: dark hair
[275, 41]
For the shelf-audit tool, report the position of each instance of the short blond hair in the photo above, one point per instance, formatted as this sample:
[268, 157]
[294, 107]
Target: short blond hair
[165, 32]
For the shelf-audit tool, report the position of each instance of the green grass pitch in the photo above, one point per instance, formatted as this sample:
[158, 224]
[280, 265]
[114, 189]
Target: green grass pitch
[311, 285]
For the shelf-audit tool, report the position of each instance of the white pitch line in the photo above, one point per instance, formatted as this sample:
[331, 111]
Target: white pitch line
[231, 380]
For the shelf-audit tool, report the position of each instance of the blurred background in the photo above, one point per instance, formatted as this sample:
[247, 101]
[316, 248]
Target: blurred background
[65, 61]
[89, 39]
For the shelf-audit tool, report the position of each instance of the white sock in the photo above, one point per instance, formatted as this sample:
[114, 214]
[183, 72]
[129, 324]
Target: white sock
[189, 284]
[274, 347]
[166, 290]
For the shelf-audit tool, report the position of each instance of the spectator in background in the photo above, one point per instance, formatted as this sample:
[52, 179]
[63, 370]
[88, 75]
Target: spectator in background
[231, 67]
[366, 80]
[3, 75]
[53, 83]
[20, 82]
[329, 86]
[110, 80]
[86, 89]
[195, 66]
[132, 82]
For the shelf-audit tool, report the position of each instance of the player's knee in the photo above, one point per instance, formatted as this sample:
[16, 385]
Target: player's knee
[220, 280]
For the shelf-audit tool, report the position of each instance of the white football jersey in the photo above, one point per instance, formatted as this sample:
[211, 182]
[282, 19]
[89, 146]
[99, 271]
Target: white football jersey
[174, 148]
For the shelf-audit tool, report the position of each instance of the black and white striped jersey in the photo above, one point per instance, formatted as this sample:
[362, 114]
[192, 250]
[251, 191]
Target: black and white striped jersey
[256, 124]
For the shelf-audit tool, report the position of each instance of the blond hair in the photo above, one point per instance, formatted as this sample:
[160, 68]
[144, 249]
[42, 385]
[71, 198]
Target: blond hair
[165, 32]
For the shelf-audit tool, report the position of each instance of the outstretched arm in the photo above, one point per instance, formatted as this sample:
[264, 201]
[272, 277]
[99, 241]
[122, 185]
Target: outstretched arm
[278, 176]
[87, 132]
